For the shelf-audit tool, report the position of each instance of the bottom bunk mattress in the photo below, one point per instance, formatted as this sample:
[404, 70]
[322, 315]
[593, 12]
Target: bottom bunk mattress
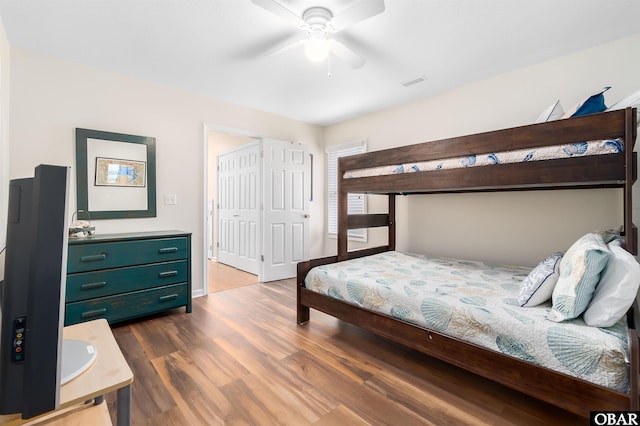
[477, 302]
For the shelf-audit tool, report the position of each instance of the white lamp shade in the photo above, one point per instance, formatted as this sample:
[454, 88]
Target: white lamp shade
[317, 49]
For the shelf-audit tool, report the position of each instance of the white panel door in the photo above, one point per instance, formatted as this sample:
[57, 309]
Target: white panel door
[286, 208]
[226, 208]
[239, 208]
[210, 229]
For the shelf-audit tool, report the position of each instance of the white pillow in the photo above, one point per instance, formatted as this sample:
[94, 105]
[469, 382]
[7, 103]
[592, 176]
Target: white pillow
[616, 291]
[633, 100]
[630, 101]
[580, 270]
[553, 112]
[538, 286]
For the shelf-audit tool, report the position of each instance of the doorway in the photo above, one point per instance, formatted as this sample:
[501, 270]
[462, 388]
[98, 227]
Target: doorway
[219, 139]
[282, 230]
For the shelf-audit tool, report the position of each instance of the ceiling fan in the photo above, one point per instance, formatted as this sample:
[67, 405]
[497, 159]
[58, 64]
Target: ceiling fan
[318, 22]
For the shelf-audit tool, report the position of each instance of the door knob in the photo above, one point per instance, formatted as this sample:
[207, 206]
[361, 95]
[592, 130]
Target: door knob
[307, 216]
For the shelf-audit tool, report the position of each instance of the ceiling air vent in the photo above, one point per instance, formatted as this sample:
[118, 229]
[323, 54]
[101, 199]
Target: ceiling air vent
[414, 81]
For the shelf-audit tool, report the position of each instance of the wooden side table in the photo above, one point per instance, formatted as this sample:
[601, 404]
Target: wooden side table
[109, 372]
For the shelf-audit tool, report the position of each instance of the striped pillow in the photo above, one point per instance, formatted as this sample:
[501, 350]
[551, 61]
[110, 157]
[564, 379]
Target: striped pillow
[580, 270]
[539, 284]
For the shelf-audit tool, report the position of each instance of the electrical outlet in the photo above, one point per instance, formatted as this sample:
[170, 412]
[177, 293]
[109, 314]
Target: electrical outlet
[170, 199]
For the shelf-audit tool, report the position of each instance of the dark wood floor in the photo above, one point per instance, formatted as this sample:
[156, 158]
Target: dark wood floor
[239, 358]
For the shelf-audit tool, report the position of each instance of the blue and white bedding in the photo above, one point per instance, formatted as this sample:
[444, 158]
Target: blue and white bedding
[580, 149]
[476, 302]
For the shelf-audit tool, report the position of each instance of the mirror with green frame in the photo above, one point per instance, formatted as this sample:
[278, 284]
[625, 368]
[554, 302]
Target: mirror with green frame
[115, 175]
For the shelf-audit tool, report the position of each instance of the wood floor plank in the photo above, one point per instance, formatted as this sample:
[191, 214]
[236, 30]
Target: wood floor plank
[129, 343]
[367, 404]
[159, 336]
[240, 358]
[149, 393]
[278, 377]
[260, 405]
[250, 326]
[223, 277]
[437, 407]
[219, 367]
[171, 417]
[341, 416]
[199, 399]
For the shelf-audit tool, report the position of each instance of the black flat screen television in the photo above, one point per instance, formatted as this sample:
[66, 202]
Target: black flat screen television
[32, 293]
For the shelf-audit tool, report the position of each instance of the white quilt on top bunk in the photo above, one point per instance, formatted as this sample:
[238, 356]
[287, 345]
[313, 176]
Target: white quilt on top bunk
[476, 302]
[580, 149]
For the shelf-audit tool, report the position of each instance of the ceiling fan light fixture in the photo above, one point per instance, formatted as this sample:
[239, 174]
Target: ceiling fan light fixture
[317, 49]
[318, 22]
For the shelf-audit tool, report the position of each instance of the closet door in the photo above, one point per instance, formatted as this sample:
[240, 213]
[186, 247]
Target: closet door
[239, 208]
[286, 208]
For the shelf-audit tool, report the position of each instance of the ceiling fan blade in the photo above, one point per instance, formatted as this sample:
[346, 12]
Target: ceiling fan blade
[345, 54]
[358, 12]
[287, 46]
[278, 9]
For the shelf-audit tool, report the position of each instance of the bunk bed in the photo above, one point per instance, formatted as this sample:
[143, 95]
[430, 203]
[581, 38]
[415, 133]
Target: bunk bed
[417, 169]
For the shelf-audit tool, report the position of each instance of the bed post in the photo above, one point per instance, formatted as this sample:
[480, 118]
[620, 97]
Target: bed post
[392, 222]
[630, 230]
[302, 311]
[343, 212]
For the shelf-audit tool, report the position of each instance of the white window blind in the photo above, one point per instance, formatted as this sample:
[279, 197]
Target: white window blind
[357, 202]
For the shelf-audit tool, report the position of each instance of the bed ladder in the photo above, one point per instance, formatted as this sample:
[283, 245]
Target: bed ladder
[630, 230]
[358, 221]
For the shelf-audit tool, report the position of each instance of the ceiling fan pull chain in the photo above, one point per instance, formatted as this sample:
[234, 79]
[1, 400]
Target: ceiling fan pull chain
[329, 66]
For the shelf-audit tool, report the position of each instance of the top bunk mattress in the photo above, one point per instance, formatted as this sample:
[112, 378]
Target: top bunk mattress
[477, 302]
[580, 149]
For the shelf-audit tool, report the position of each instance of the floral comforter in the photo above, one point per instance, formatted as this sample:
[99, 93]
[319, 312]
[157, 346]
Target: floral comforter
[476, 302]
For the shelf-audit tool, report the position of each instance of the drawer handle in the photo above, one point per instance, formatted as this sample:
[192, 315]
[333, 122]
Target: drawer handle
[93, 257]
[168, 297]
[95, 313]
[91, 286]
[168, 274]
[168, 250]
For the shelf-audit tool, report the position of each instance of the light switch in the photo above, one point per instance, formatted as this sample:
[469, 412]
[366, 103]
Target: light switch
[170, 199]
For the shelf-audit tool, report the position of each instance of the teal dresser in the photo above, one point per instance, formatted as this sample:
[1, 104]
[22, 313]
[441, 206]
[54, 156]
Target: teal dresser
[124, 276]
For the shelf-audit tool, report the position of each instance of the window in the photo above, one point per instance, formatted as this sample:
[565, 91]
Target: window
[357, 202]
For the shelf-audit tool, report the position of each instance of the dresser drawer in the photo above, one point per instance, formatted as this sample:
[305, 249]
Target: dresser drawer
[124, 306]
[87, 285]
[95, 256]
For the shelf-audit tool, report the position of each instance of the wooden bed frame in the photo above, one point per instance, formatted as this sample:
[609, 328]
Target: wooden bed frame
[603, 171]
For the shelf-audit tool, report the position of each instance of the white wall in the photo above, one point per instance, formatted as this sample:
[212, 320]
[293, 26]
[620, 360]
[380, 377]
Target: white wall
[518, 228]
[51, 97]
[5, 66]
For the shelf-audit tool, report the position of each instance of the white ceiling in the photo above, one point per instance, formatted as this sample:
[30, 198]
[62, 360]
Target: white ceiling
[216, 47]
